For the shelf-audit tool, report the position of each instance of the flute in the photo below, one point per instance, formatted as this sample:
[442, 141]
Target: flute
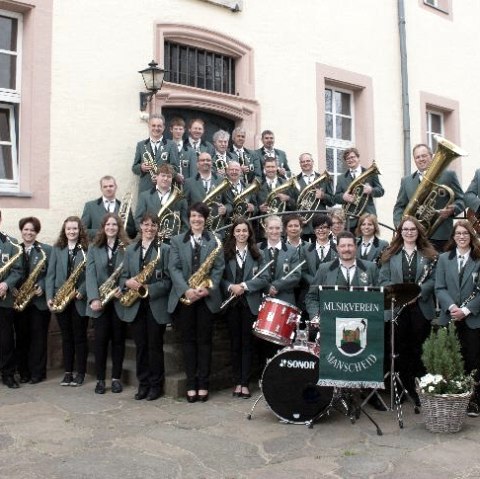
[233, 296]
[299, 265]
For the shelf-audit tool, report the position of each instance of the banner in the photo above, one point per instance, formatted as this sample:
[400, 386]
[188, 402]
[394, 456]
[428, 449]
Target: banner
[351, 339]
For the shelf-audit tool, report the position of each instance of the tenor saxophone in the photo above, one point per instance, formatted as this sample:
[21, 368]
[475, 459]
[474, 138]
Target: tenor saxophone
[26, 292]
[67, 292]
[109, 287]
[131, 295]
[201, 279]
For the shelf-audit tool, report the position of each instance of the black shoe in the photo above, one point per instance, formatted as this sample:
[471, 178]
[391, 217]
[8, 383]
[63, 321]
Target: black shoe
[78, 380]
[142, 393]
[24, 379]
[375, 402]
[245, 394]
[100, 387]
[192, 399]
[203, 397]
[117, 386]
[10, 382]
[35, 380]
[67, 379]
[154, 393]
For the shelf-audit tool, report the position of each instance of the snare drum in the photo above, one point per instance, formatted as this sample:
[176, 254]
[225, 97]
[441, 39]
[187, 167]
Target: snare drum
[276, 321]
[289, 385]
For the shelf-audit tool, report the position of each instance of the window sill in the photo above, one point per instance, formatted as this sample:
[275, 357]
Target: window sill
[16, 194]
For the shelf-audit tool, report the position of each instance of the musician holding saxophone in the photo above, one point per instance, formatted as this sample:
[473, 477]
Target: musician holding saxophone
[67, 296]
[422, 181]
[104, 266]
[32, 316]
[11, 273]
[146, 283]
[456, 287]
[196, 267]
[243, 262]
[153, 152]
[410, 258]
[356, 188]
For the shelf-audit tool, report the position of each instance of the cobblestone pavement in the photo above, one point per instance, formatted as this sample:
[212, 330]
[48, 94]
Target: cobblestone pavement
[49, 431]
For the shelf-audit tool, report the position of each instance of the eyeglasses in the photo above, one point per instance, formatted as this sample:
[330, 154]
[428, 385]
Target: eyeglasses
[462, 233]
[409, 230]
[323, 227]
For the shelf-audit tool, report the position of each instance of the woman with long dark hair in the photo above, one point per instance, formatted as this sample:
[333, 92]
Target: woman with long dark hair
[105, 257]
[456, 284]
[243, 260]
[411, 258]
[68, 254]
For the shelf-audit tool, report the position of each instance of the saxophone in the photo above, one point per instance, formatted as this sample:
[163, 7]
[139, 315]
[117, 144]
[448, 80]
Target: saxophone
[169, 221]
[356, 188]
[276, 205]
[214, 220]
[131, 295]
[430, 197]
[26, 292]
[200, 278]
[109, 287]
[67, 292]
[240, 203]
[8, 265]
[307, 199]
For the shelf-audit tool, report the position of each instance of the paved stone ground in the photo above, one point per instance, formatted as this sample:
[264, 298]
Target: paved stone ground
[49, 431]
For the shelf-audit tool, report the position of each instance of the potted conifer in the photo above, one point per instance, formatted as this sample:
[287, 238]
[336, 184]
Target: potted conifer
[445, 390]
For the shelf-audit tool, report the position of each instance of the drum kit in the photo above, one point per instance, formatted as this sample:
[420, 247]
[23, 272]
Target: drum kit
[289, 379]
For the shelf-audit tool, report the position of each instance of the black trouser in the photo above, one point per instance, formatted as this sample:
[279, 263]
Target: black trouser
[148, 337]
[7, 343]
[412, 331]
[31, 340]
[195, 323]
[240, 321]
[108, 327]
[470, 346]
[74, 338]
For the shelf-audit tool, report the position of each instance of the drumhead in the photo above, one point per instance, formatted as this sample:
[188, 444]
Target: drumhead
[283, 303]
[289, 385]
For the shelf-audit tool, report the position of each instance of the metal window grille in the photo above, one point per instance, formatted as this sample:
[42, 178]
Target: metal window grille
[199, 68]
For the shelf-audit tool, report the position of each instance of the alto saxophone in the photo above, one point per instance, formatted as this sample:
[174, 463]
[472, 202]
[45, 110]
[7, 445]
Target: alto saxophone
[356, 189]
[8, 265]
[201, 279]
[307, 199]
[67, 292]
[131, 295]
[109, 287]
[26, 292]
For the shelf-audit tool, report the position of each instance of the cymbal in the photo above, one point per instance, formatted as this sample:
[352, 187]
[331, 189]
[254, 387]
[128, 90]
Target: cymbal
[402, 293]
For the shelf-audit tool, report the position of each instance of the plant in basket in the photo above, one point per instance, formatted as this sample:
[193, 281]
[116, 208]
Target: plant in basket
[445, 390]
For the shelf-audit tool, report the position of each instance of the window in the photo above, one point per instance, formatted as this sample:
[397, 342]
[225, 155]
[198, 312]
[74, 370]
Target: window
[338, 128]
[434, 127]
[441, 8]
[199, 68]
[10, 51]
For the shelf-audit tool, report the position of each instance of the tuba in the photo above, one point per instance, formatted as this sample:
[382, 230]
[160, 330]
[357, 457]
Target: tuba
[430, 197]
[307, 199]
[274, 204]
[356, 188]
[67, 292]
[200, 278]
[131, 295]
[26, 292]
[240, 203]
[169, 221]
[214, 220]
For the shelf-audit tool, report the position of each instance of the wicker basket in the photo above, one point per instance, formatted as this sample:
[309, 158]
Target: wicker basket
[444, 412]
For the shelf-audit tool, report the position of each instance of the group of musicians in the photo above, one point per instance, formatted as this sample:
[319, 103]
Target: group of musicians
[190, 253]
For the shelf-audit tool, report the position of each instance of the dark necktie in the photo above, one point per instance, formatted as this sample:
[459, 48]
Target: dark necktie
[273, 255]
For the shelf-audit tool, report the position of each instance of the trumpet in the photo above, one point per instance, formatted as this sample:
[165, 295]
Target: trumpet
[147, 159]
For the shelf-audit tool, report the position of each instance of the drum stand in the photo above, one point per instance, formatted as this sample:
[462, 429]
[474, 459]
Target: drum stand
[395, 381]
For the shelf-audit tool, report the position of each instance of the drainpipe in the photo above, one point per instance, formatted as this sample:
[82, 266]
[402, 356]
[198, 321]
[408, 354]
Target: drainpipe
[405, 100]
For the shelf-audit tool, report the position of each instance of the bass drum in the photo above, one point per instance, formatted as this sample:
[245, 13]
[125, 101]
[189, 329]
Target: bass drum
[289, 386]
